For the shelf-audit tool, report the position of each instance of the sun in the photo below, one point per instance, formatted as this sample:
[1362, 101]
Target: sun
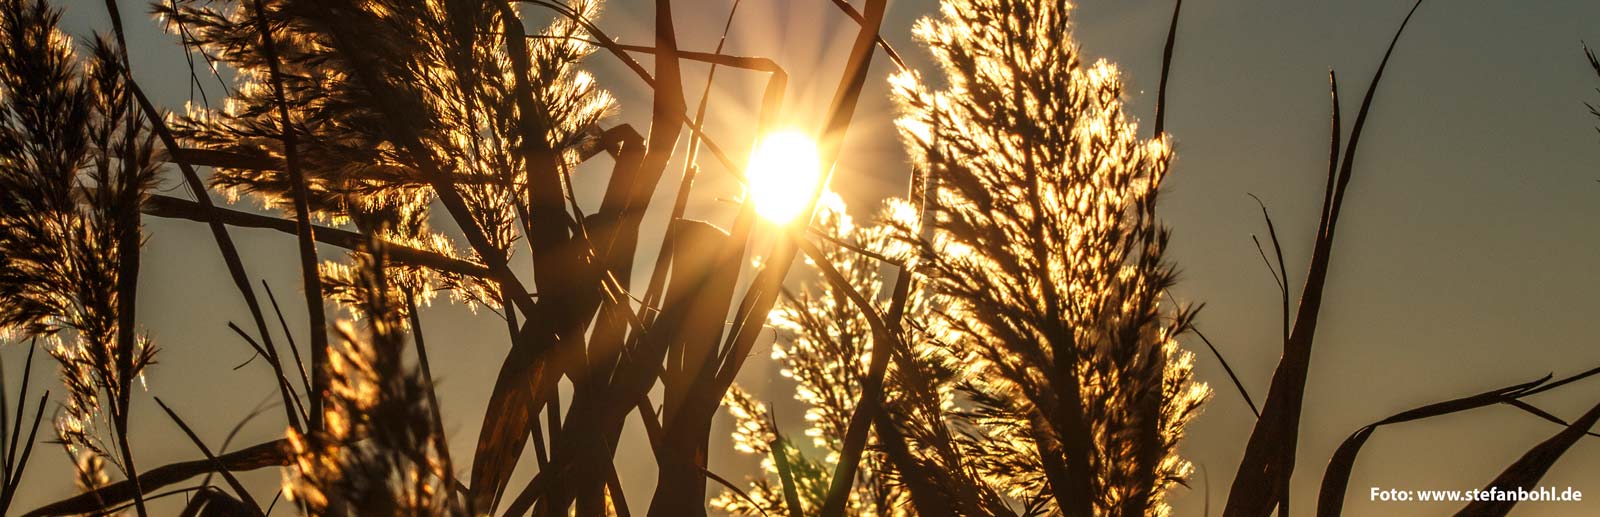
[783, 173]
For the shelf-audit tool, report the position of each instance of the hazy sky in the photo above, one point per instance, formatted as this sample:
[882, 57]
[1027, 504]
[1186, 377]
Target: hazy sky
[1464, 262]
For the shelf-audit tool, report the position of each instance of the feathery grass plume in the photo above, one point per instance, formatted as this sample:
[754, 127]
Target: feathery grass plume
[75, 165]
[408, 227]
[400, 104]
[89, 473]
[1048, 257]
[753, 434]
[824, 345]
[443, 65]
[377, 455]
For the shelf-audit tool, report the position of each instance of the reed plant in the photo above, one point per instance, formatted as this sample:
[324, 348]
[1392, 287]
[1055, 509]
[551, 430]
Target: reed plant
[77, 162]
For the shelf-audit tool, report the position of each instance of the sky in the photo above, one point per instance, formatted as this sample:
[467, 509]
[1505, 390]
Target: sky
[1464, 261]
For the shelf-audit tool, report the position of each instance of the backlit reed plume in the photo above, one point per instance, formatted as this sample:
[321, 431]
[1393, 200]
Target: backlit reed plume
[75, 164]
[89, 474]
[385, 97]
[1040, 374]
[916, 461]
[380, 453]
[823, 347]
[1048, 261]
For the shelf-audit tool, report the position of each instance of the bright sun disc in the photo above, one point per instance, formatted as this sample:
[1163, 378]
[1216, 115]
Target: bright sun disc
[783, 173]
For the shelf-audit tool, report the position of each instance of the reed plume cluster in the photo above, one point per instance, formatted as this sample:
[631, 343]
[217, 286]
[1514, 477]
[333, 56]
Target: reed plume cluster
[1041, 367]
[1048, 253]
[825, 344]
[380, 453]
[385, 100]
[76, 160]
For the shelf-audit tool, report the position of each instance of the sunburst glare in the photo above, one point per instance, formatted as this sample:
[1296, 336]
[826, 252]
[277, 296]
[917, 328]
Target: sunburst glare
[783, 173]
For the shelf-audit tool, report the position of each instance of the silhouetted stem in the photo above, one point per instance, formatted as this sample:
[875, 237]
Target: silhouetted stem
[691, 167]
[175, 208]
[310, 277]
[225, 245]
[885, 340]
[447, 470]
[780, 457]
[127, 288]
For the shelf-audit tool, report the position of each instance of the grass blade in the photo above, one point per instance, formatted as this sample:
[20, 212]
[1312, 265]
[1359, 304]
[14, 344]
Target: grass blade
[690, 169]
[1525, 472]
[1282, 273]
[294, 349]
[1231, 376]
[22, 400]
[277, 370]
[1262, 482]
[1336, 479]
[1166, 70]
[738, 491]
[780, 456]
[15, 480]
[244, 495]
[275, 453]
[871, 400]
[1535, 411]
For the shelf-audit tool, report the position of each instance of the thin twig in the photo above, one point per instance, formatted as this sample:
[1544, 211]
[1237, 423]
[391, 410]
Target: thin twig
[294, 349]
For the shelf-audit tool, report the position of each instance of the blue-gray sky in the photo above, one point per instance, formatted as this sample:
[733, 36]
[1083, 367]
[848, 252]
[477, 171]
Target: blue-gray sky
[1465, 258]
